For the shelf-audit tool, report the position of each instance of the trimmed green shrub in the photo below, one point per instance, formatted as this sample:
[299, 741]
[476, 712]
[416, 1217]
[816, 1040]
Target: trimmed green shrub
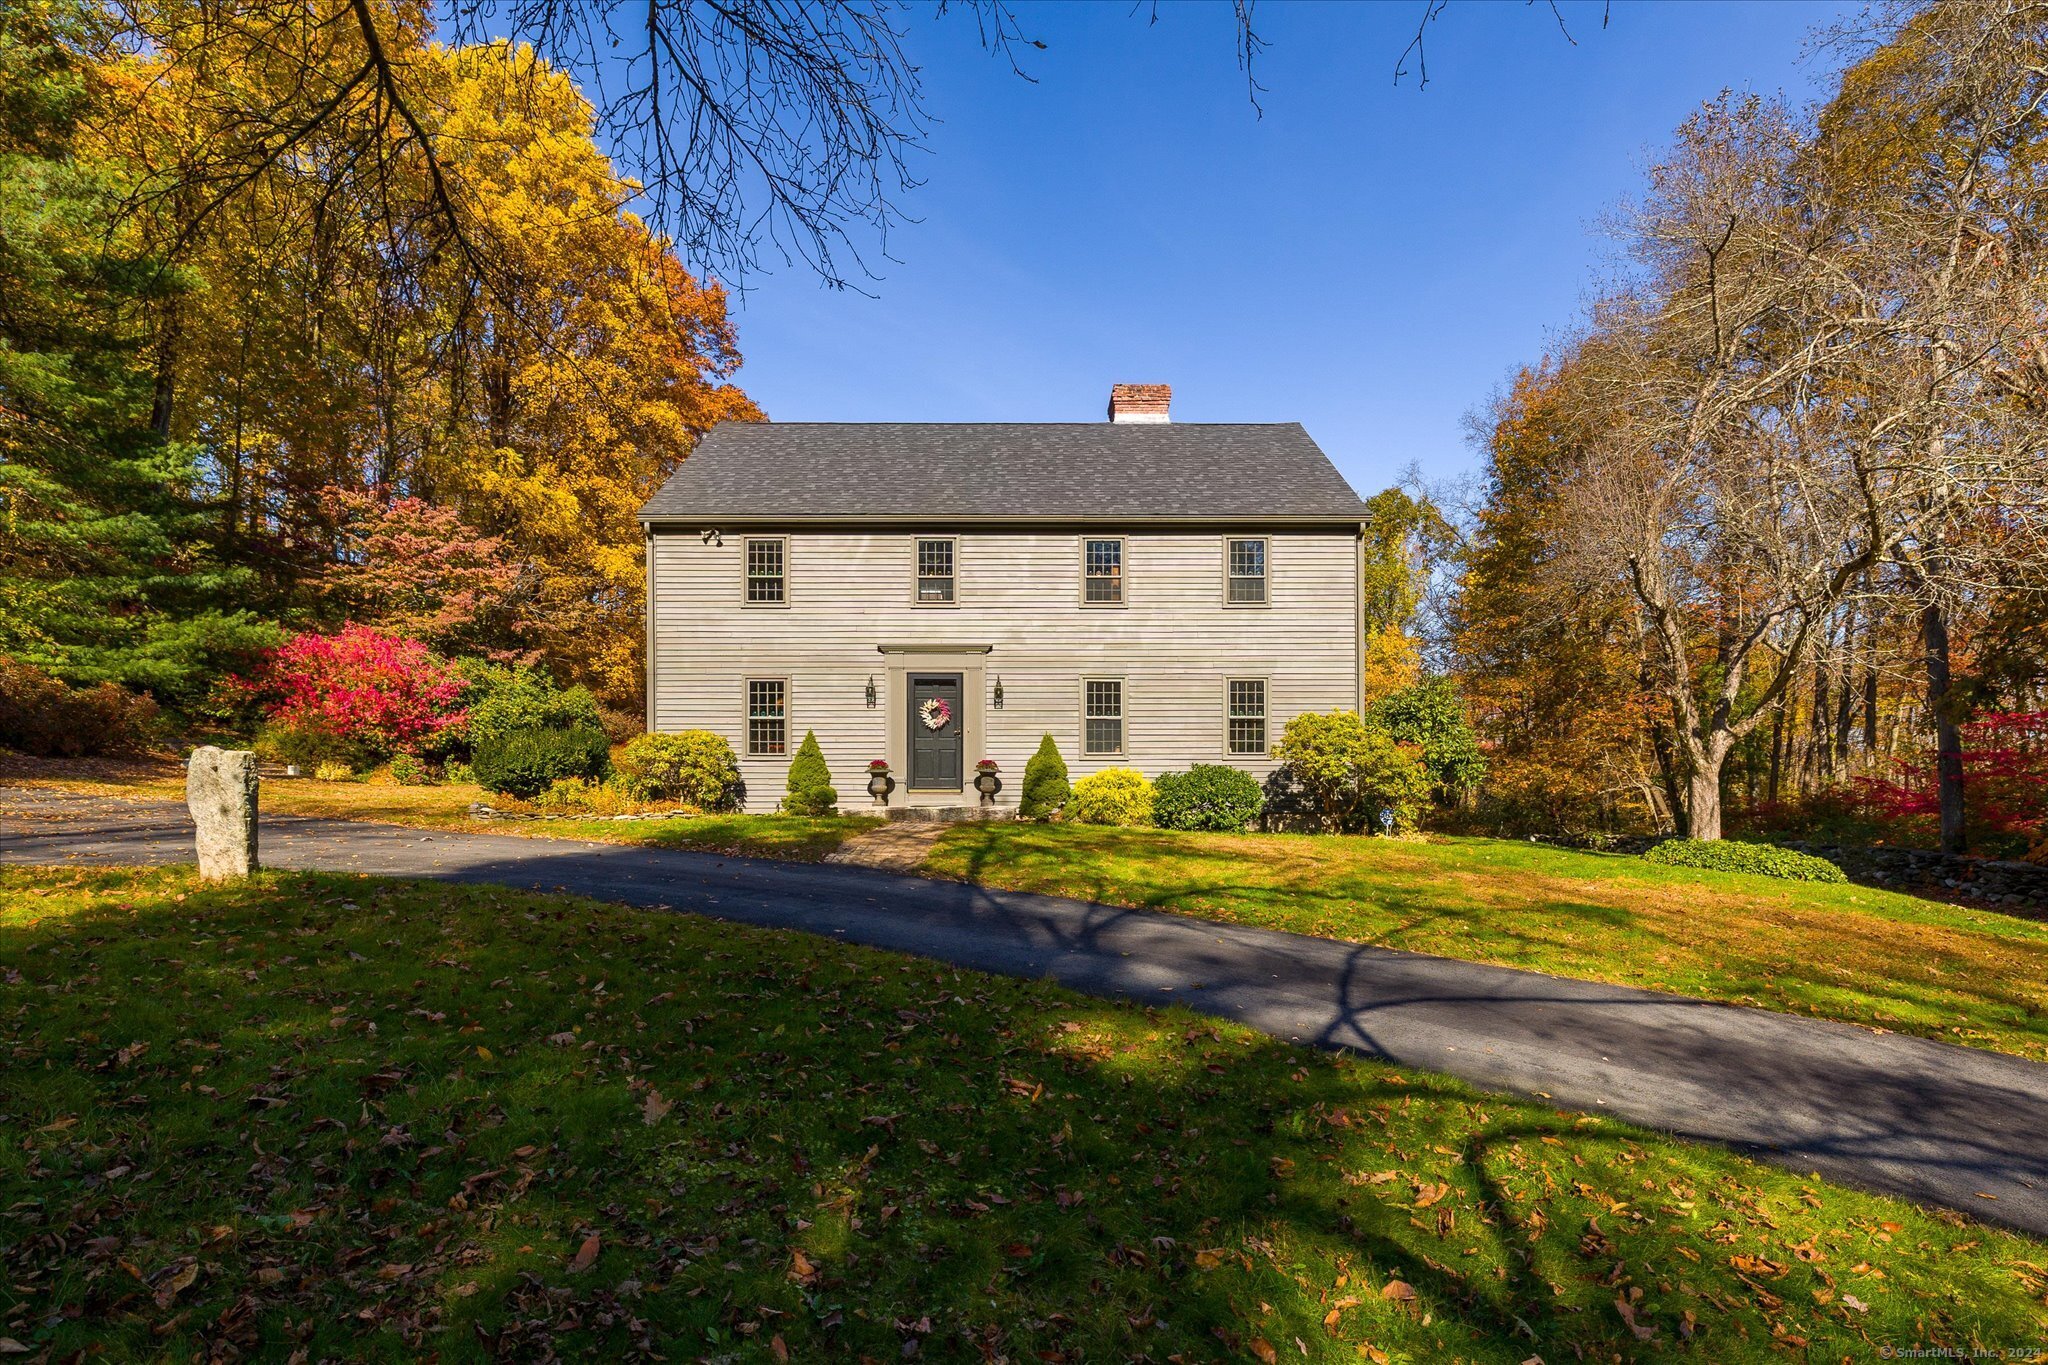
[1431, 716]
[1114, 796]
[1210, 796]
[695, 767]
[310, 747]
[810, 781]
[526, 763]
[1349, 772]
[408, 771]
[504, 701]
[1763, 860]
[1045, 783]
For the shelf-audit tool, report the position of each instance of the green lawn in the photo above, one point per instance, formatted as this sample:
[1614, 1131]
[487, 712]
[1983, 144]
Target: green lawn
[373, 1119]
[1846, 952]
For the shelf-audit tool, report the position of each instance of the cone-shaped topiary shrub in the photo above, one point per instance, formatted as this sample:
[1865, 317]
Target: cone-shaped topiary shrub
[1045, 783]
[810, 781]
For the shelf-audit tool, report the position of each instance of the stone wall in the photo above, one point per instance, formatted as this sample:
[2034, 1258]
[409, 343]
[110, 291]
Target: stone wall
[2016, 888]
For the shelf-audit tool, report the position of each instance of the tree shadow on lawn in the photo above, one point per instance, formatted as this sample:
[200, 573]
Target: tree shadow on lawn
[1868, 968]
[371, 1119]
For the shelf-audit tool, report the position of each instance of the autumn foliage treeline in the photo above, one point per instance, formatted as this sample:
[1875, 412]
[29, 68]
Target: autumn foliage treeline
[1765, 542]
[266, 365]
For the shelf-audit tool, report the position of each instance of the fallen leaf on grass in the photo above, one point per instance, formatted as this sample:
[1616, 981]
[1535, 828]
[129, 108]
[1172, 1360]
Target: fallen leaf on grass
[10, 1347]
[1628, 1315]
[176, 1285]
[1263, 1349]
[1400, 1291]
[1851, 1301]
[586, 1255]
[800, 1268]
[654, 1108]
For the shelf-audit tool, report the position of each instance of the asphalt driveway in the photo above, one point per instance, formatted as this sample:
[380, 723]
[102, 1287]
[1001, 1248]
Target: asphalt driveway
[1931, 1121]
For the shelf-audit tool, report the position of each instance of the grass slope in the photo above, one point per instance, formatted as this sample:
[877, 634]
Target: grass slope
[1845, 952]
[369, 1119]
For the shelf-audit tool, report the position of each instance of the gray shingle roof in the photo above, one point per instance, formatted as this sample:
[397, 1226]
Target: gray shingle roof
[1081, 471]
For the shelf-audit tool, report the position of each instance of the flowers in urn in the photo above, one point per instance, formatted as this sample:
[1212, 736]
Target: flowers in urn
[986, 782]
[879, 781]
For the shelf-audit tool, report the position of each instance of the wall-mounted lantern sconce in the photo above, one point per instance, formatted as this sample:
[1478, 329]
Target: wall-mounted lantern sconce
[999, 692]
[871, 691]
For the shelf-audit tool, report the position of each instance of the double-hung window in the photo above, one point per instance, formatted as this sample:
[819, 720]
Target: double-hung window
[1102, 572]
[935, 571]
[767, 568]
[1246, 572]
[1245, 715]
[767, 716]
[1102, 715]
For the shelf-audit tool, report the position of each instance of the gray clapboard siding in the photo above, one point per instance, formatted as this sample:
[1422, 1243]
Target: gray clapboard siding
[1175, 643]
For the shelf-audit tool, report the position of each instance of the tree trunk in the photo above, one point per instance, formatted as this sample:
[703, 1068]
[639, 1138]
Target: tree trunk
[1948, 738]
[1703, 802]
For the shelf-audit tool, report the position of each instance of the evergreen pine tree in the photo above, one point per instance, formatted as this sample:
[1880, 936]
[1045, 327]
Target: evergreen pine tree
[810, 780]
[1045, 782]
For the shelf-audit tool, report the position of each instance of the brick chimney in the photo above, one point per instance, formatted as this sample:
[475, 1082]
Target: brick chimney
[1139, 402]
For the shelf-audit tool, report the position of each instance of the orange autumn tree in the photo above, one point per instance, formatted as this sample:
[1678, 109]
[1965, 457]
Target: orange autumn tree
[600, 361]
[527, 365]
[1550, 674]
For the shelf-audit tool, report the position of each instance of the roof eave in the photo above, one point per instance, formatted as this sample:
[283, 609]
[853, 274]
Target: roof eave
[701, 520]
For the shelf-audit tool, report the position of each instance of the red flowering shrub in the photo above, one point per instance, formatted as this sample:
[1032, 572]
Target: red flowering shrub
[364, 687]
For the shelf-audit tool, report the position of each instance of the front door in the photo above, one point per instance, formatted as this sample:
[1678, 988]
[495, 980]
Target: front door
[937, 732]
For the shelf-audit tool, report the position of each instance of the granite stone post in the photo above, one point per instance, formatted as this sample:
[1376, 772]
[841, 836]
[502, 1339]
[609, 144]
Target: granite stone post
[220, 788]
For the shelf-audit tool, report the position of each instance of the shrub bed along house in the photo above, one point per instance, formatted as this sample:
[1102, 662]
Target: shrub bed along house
[694, 768]
[1114, 796]
[1208, 796]
[1763, 860]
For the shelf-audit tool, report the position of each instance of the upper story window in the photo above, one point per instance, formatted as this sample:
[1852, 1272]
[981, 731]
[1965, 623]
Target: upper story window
[935, 571]
[767, 581]
[1247, 572]
[1102, 572]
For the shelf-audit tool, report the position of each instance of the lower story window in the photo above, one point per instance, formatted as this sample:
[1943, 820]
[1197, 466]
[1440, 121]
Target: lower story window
[1246, 715]
[1102, 716]
[767, 716]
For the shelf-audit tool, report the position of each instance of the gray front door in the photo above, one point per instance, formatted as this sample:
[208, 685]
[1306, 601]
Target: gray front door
[935, 757]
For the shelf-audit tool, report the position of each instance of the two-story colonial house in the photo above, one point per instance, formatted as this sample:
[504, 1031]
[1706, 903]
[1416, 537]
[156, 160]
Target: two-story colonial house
[1152, 594]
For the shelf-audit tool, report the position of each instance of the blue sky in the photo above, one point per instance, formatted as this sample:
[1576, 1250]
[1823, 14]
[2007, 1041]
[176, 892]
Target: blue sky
[1370, 260]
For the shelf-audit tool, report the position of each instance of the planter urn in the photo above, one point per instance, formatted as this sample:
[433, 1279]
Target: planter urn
[987, 783]
[878, 784]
